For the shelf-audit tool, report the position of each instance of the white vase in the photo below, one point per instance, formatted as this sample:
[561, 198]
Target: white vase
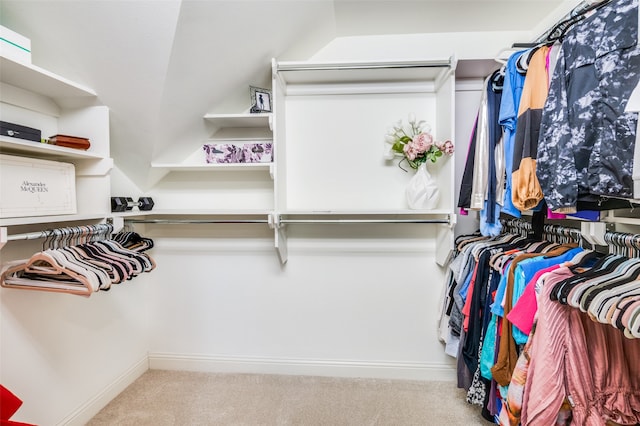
[422, 191]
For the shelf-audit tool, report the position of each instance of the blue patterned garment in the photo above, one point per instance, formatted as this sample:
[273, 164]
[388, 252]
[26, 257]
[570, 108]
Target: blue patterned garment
[585, 150]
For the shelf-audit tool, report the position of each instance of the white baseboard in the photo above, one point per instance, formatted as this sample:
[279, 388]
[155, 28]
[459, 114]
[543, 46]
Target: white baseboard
[304, 367]
[89, 409]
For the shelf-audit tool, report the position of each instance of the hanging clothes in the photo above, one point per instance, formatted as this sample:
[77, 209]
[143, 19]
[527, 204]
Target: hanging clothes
[526, 192]
[489, 215]
[481, 153]
[466, 186]
[508, 117]
[487, 175]
[587, 342]
[507, 354]
[585, 152]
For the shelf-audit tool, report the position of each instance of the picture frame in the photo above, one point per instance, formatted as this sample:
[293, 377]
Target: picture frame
[260, 100]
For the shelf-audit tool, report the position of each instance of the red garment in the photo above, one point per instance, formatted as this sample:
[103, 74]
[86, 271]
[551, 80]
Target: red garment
[466, 309]
[9, 404]
[12, 423]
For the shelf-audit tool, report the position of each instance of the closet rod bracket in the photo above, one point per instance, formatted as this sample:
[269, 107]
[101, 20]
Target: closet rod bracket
[594, 232]
[273, 221]
[117, 222]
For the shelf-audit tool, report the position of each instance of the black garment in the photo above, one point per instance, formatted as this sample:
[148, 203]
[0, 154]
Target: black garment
[587, 140]
[466, 188]
[494, 98]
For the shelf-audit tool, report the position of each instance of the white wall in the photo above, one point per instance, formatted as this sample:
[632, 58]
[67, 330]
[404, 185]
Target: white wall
[351, 301]
[462, 45]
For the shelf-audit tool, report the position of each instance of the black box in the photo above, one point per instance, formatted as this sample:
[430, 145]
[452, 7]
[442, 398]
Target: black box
[21, 132]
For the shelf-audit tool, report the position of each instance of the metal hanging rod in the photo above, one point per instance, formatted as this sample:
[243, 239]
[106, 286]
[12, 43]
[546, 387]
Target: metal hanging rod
[286, 221]
[28, 236]
[298, 66]
[282, 221]
[194, 221]
[87, 230]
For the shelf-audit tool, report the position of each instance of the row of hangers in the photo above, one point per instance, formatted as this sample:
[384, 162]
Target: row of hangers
[551, 232]
[81, 260]
[577, 15]
[607, 290]
[620, 243]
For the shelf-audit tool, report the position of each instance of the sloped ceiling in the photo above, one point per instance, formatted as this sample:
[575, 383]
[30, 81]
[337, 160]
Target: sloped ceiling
[160, 65]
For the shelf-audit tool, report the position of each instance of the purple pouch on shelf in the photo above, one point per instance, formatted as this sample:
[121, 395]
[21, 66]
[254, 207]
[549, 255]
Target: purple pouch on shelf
[259, 152]
[222, 153]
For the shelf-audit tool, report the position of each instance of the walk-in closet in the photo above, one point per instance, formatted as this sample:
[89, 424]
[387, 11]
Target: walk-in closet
[319, 212]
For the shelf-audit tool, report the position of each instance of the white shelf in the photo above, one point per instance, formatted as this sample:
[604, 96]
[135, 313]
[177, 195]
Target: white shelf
[302, 72]
[51, 219]
[240, 120]
[41, 99]
[9, 145]
[622, 220]
[177, 167]
[35, 79]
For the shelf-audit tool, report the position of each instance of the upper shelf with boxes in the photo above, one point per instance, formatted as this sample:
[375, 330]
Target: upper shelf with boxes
[237, 156]
[238, 142]
[54, 145]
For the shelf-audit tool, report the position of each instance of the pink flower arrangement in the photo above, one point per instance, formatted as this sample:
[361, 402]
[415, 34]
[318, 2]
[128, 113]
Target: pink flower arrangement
[416, 143]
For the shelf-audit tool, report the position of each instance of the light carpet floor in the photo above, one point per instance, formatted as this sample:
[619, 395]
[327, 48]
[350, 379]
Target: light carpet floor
[161, 397]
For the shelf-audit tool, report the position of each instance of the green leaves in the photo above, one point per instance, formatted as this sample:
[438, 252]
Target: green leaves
[398, 147]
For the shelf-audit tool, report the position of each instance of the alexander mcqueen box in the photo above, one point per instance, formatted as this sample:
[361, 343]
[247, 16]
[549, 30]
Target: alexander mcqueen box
[34, 187]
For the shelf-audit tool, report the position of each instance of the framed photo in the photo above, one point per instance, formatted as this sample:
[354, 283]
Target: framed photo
[260, 99]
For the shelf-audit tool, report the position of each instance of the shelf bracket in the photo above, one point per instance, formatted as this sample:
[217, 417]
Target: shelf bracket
[280, 237]
[453, 220]
[281, 244]
[594, 232]
[117, 222]
[445, 242]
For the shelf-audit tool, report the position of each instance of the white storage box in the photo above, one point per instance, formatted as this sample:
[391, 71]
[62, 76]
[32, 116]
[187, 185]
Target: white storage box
[14, 46]
[33, 187]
